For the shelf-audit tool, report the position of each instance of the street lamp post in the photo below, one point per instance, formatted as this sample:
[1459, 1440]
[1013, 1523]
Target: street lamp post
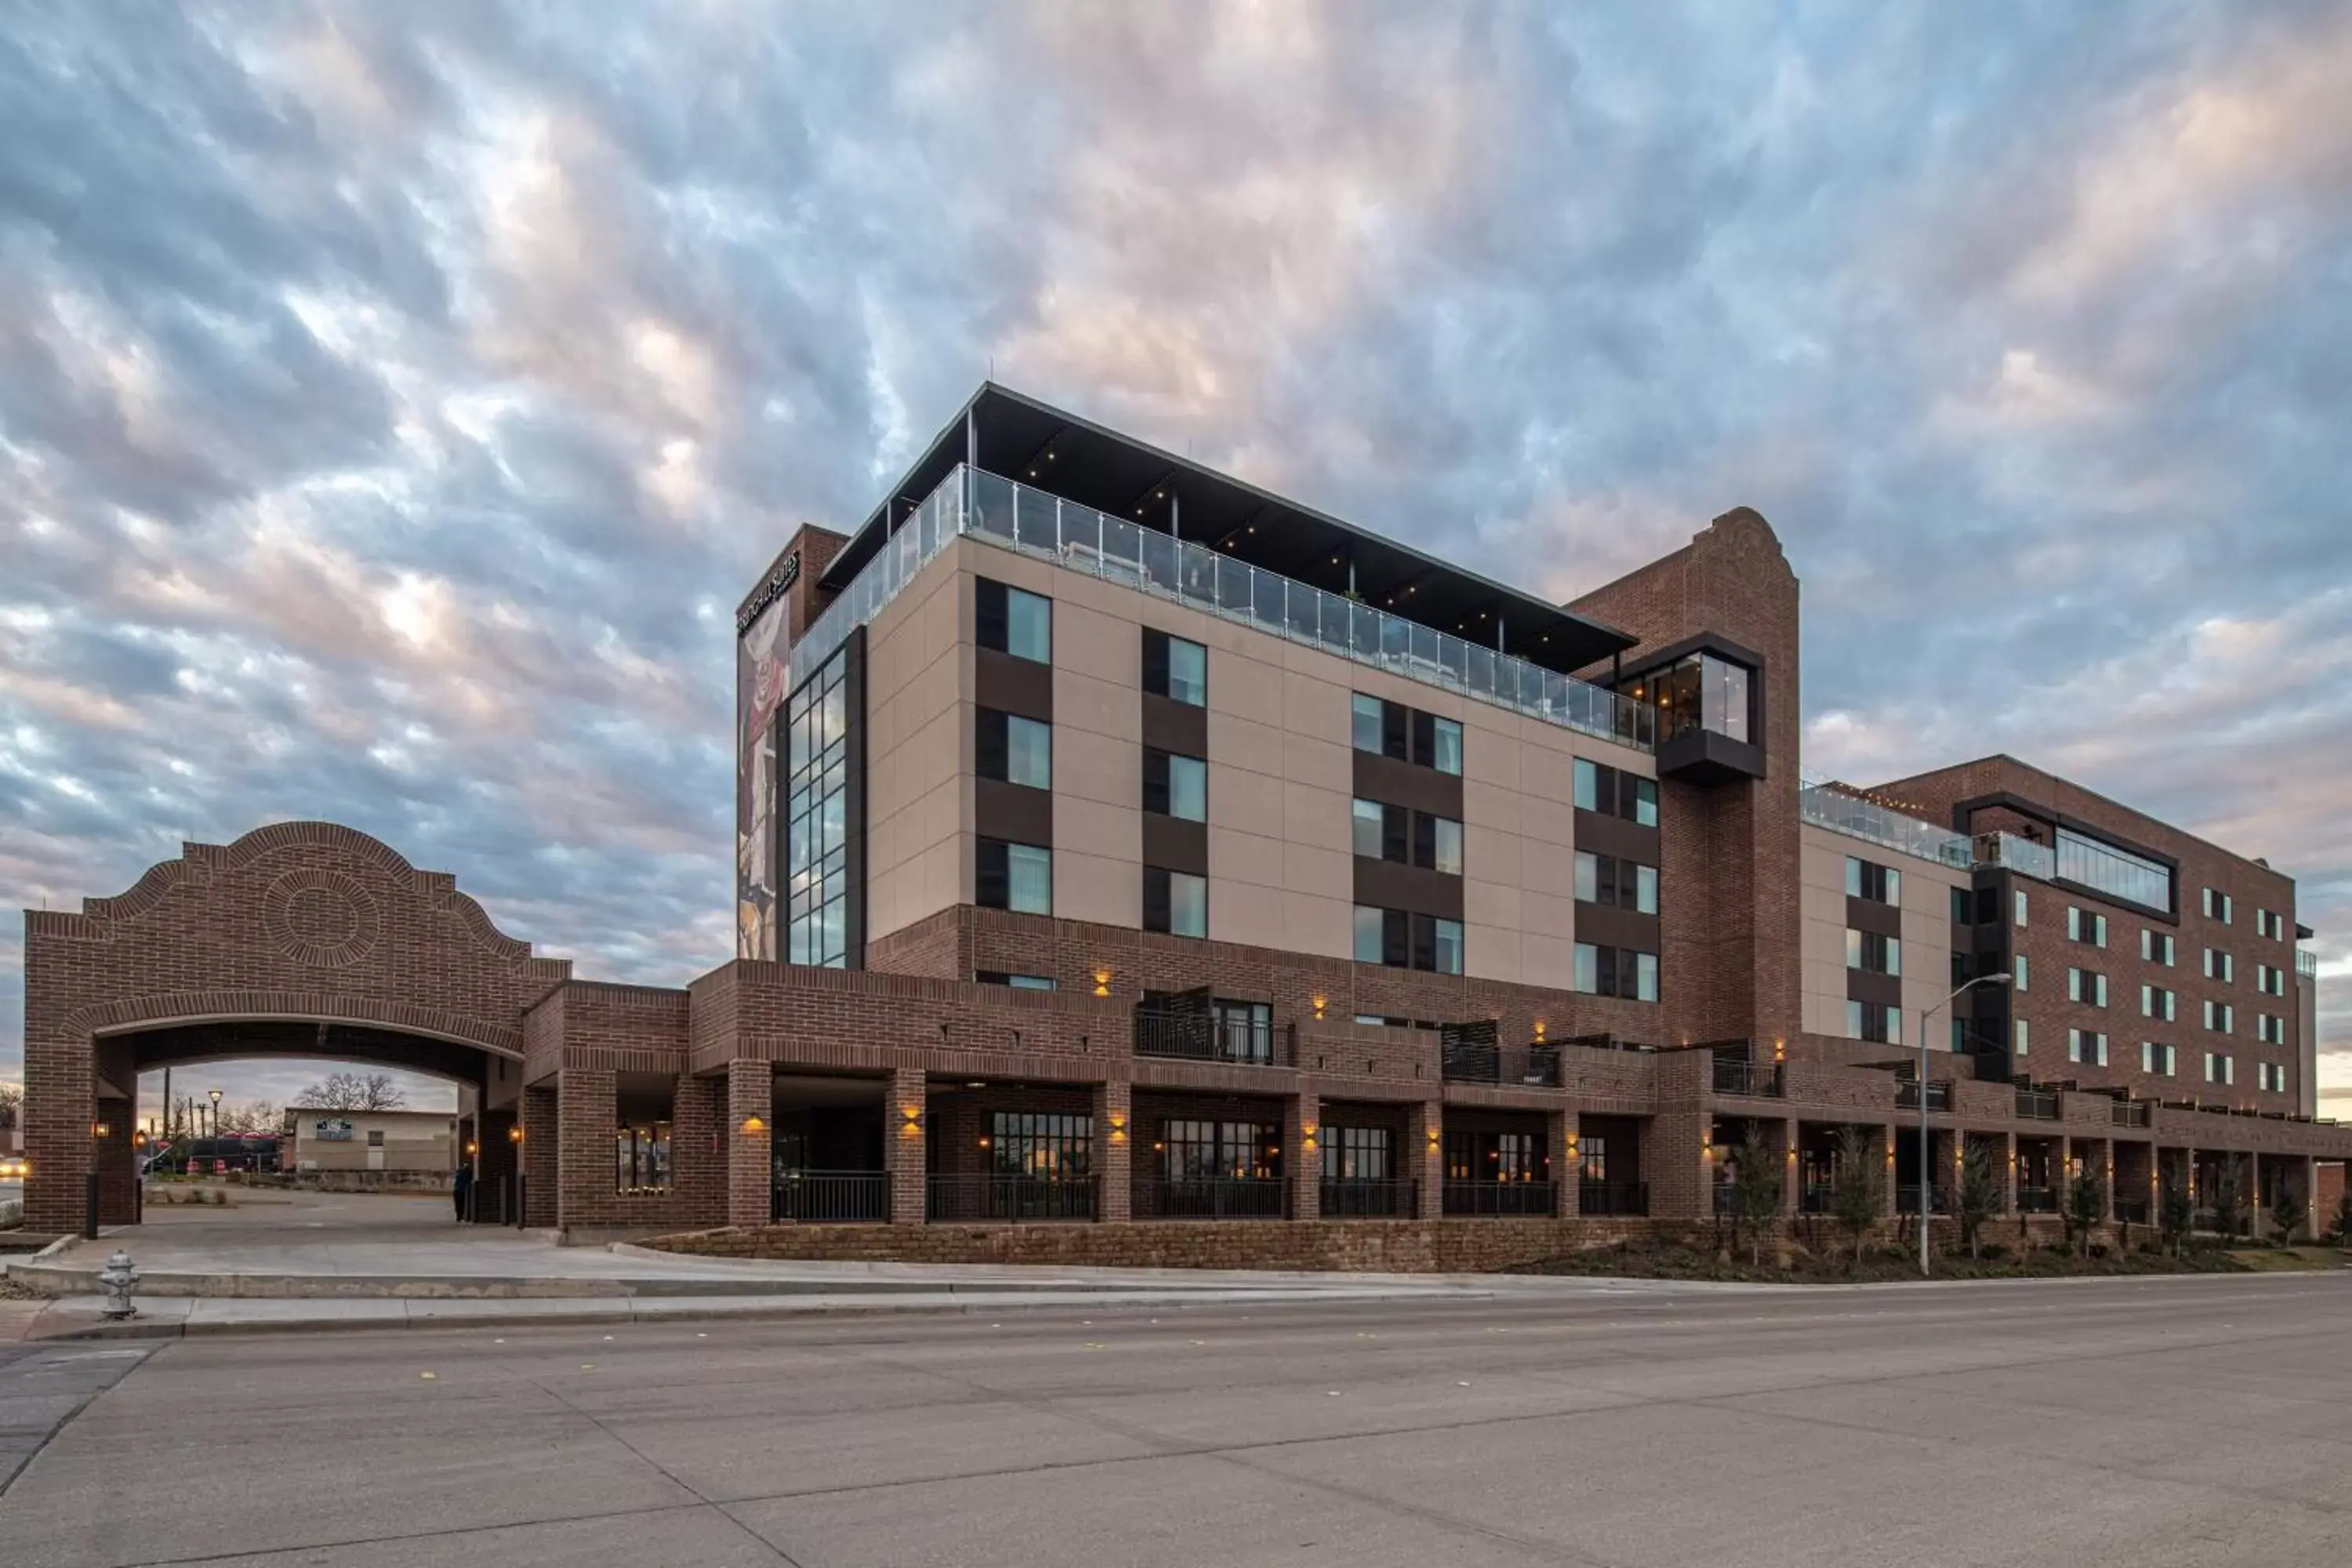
[213, 1094]
[1927, 1201]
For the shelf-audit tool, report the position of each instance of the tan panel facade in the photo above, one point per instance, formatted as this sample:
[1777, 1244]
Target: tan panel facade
[1926, 931]
[918, 800]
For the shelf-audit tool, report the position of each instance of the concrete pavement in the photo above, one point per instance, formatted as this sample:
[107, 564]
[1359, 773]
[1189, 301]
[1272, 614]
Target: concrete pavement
[2158, 1423]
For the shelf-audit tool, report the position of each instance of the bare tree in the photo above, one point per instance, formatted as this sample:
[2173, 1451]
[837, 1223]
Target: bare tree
[251, 1119]
[353, 1092]
[1981, 1193]
[1755, 1179]
[2229, 1197]
[2086, 1206]
[12, 1099]
[1858, 1194]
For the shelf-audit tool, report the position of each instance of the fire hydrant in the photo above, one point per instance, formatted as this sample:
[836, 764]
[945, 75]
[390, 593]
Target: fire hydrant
[116, 1282]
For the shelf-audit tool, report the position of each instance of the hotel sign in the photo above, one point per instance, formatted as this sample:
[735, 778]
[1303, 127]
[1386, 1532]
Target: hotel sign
[334, 1129]
[787, 573]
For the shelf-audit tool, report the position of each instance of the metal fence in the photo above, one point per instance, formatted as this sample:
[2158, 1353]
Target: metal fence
[813, 1197]
[1352, 1199]
[1502, 1198]
[1212, 1197]
[1763, 1079]
[1014, 1198]
[1603, 1199]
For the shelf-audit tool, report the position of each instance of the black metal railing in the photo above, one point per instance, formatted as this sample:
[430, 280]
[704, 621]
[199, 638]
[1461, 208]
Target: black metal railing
[2037, 1200]
[1194, 1036]
[1212, 1197]
[2037, 1104]
[1723, 1203]
[1355, 1199]
[1763, 1078]
[1507, 1198]
[1906, 1094]
[812, 1197]
[1014, 1198]
[2132, 1113]
[1538, 1066]
[1816, 1197]
[1613, 1199]
[1906, 1199]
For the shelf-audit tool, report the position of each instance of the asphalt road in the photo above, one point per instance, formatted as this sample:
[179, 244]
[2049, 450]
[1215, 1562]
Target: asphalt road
[2153, 1422]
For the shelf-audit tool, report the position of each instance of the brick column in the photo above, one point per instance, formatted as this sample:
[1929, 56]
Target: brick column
[540, 1141]
[2314, 1225]
[1892, 1205]
[1681, 1173]
[1427, 1156]
[1790, 1132]
[56, 1117]
[903, 1141]
[748, 1140]
[586, 1177]
[1302, 1167]
[2009, 1173]
[1114, 1153]
[1557, 1127]
[698, 1149]
[494, 1171]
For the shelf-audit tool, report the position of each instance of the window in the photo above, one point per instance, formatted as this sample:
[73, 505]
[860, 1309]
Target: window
[1369, 821]
[1366, 726]
[1018, 982]
[1013, 748]
[1175, 786]
[1622, 884]
[1620, 972]
[2270, 924]
[2087, 1047]
[1447, 847]
[2270, 979]
[1593, 1158]
[1868, 880]
[1174, 668]
[2155, 946]
[2219, 1017]
[1614, 793]
[1175, 901]
[1244, 1031]
[2023, 1037]
[2087, 986]
[2272, 1076]
[1645, 889]
[2020, 895]
[2220, 966]
[642, 1158]
[1218, 1150]
[1701, 691]
[1963, 907]
[2086, 925]
[2017, 973]
[1016, 877]
[1393, 730]
[1371, 926]
[2219, 1069]
[2156, 1002]
[1044, 1145]
[375, 1137]
[1449, 946]
[2217, 905]
[1357, 1154]
[1015, 621]
[815, 796]
[1875, 1021]
[1870, 951]
[2156, 1059]
[2117, 873]
[2270, 1028]
[1445, 746]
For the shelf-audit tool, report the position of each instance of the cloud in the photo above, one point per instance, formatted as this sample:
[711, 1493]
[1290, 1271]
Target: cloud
[394, 400]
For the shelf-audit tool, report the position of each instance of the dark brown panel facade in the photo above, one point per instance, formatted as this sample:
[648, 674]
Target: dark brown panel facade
[1013, 813]
[1608, 926]
[1869, 985]
[1173, 844]
[1394, 782]
[1601, 835]
[1384, 884]
[1013, 684]
[1869, 915]
[1172, 726]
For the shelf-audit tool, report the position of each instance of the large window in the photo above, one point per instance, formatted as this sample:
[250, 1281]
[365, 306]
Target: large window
[1015, 621]
[1620, 972]
[1176, 902]
[1393, 730]
[1870, 951]
[1400, 940]
[644, 1158]
[1701, 691]
[2087, 1047]
[1621, 884]
[2086, 926]
[1244, 1030]
[2157, 1058]
[1192, 1150]
[1868, 880]
[1175, 785]
[2115, 873]
[1016, 877]
[1174, 668]
[1013, 748]
[1357, 1154]
[2157, 946]
[1877, 1023]
[1612, 793]
[816, 817]
[1044, 1145]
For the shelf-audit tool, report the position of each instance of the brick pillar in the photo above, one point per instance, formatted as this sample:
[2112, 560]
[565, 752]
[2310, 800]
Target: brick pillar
[1558, 1126]
[1791, 1130]
[1892, 1207]
[1427, 1157]
[1114, 1153]
[586, 1117]
[1681, 1171]
[698, 1149]
[56, 1116]
[748, 1140]
[1302, 1166]
[494, 1171]
[903, 1141]
[2009, 1173]
[541, 1142]
[2254, 1193]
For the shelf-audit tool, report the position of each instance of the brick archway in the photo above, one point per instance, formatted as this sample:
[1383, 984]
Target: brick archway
[301, 923]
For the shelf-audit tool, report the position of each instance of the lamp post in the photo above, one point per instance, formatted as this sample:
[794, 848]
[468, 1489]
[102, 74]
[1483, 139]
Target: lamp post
[213, 1094]
[1927, 1201]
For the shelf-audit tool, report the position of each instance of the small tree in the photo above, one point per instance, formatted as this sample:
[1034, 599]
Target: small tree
[2343, 1232]
[2286, 1215]
[1980, 1196]
[2230, 1198]
[353, 1092]
[12, 1099]
[1755, 1194]
[2175, 1210]
[1858, 1195]
[2087, 1204]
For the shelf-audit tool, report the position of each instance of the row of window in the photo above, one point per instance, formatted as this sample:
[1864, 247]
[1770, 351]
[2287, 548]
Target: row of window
[1383, 832]
[1870, 951]
[1625, 972]
[1614, 792]
[1869, 879]
[1623, 884]
[1879, 1022]
[1393, 730]
[1019, 877]
[1401, 940]
[2268, 923]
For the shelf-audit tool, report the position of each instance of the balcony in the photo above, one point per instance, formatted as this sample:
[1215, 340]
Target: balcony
[2306, 964]
[1193, 1034]
[1761, 1080]
[2019, 855]
[829, 1197]
[1212, 1197]
[1534, 1067]
[1612, 1200]
[1502, 1199]
[2037, 1200]
[1906, 1094]
[2132, 1113]
[2037, 1104]
[1351, 1198]
[1000, 1198]
[1857, 818]
[1907, 1195]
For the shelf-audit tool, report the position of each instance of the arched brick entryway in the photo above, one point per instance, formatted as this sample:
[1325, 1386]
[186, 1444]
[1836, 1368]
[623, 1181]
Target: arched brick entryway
[303, 923]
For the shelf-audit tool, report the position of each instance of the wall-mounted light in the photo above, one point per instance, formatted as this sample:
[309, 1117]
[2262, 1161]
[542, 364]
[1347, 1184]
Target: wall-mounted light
[471, 1147]
[1307, 1135]
[1780, 1050]
[1102, 982]
[910, 1121]
[983, 1140]
[1320, 1002]
[514, 1133]
[754, 1125]
[1117, 1127]
[1432, 1139]
[1540, 1031]
[102, 1129]
[1571, 1148]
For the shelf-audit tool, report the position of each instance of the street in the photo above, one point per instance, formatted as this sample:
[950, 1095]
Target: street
[2150, 1422]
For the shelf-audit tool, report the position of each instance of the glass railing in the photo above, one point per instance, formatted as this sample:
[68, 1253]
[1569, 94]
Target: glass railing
[923, 533]
[2020, 855]
[1016, 517]
[1858, 819]
[2306, 964]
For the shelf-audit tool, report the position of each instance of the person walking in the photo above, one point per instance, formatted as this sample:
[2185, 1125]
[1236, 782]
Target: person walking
[461, 1188]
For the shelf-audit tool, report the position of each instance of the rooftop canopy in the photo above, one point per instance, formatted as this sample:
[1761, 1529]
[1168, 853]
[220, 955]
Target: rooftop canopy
[1021, 438]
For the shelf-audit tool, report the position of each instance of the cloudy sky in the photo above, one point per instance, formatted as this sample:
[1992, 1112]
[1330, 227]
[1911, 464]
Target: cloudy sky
[395, 399]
